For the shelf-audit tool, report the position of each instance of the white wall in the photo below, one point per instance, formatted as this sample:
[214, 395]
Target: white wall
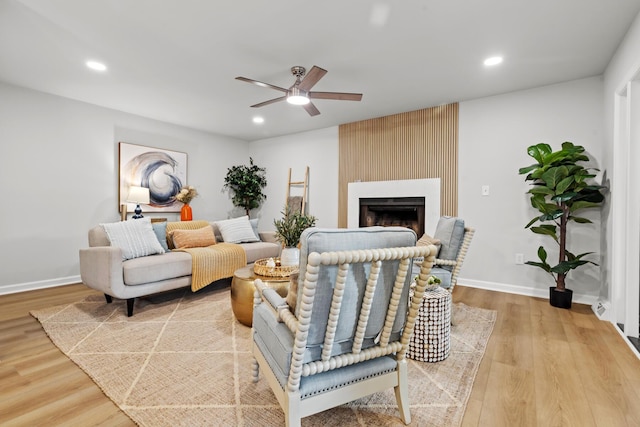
[494, 135]
[317, 149]
[60, 177]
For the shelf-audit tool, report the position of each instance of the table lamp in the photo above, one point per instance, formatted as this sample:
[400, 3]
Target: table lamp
[138, 195]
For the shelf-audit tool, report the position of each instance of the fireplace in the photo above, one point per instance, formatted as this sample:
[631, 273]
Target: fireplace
[393, 211]
[427, 189]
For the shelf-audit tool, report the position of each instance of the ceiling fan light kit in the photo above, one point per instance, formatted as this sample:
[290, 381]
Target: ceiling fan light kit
[297, 97]
[300, 92]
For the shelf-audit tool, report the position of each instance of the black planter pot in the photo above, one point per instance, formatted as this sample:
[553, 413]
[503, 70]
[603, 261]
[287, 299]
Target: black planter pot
[560, 299]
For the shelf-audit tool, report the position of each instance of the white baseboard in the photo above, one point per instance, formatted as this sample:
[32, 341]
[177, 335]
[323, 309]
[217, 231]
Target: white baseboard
[520, 290]
[43, 284]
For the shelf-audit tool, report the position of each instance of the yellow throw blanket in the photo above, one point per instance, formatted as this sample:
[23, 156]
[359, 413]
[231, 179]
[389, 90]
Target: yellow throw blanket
[210, 263]
[214, 262]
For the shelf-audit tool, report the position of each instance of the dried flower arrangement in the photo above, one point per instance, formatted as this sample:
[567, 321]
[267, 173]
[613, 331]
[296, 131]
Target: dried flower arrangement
[187, 194]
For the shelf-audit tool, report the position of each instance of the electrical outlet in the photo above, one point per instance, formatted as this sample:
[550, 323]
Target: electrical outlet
[519, 259]
[485, 190]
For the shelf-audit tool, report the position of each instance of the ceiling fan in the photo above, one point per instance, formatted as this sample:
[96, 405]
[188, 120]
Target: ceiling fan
[300, 93]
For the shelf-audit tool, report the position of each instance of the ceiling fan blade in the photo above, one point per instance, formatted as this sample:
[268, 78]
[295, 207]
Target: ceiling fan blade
[312, 77]
[311, 109]
[271, 101]
[342, 96]
[261, 84]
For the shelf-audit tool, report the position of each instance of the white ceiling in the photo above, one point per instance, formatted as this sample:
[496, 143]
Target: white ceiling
[176, 60]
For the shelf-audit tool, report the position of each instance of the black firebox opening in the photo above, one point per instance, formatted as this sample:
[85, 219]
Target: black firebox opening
[393, 211]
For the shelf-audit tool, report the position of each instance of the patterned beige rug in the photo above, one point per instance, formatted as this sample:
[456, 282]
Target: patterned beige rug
[183, 360]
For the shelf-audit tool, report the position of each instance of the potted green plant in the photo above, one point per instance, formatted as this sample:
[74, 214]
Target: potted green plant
[561, 187]
[246, 184]
[288, 231]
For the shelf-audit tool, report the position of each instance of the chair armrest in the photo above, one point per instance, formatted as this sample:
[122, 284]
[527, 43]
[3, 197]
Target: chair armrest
[276, 303]
[101, 269]
[268, 295]
[273, 298]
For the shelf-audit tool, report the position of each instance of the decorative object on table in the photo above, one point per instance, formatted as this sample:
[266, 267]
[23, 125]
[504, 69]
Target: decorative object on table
[272, 267]
[290, 256]
[288, 231]
[163, 172]
[186, 195]
[138, 195]
[433, 283]
[561, 188]
[431, 339]
[246, 184]
[186, 213]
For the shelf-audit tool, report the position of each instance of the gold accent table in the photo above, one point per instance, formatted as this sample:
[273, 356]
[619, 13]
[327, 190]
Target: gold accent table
[242, 289]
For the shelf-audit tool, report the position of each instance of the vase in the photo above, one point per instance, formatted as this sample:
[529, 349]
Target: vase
[290, 257]
[560, 299]
[185, 213]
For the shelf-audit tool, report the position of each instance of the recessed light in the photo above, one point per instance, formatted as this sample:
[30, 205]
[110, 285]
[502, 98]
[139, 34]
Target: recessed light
[494, 60]
[258, 120]
[97, 66]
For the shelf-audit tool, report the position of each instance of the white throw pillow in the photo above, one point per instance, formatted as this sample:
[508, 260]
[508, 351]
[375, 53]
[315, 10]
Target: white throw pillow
[237, 230]
[135, 237]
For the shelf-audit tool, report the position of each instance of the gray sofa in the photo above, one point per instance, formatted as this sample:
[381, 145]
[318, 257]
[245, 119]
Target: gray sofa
[102, 267]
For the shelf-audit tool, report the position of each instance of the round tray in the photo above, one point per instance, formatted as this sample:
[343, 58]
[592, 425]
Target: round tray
[261, 269]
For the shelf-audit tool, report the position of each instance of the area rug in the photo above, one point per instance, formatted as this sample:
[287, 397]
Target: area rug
[183, 360]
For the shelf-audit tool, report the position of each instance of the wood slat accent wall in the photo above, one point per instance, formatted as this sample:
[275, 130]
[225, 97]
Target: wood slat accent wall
[414, 145]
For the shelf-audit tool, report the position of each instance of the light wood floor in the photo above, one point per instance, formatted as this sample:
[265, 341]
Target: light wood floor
[543, 367]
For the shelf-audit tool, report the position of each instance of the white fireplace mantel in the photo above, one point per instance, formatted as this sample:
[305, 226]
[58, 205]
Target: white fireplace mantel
[427, 188]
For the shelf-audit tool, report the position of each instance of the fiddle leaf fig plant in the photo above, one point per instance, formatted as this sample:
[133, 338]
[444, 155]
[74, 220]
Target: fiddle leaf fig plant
[246, 184]
[561, 188]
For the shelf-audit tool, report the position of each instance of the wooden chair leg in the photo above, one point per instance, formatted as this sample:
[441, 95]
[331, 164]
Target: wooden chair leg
[130, 307]
[108, 298]
[402, 392]
[292, 409]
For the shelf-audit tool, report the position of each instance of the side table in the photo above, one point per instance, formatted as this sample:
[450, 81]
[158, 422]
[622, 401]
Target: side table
[431, 339]
[242, 289]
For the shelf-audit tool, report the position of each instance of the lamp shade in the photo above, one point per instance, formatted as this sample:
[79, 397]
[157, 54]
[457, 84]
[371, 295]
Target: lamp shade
[138, 195]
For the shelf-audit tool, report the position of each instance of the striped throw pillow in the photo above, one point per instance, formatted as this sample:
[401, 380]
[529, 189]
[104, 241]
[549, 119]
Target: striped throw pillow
[135, 237]
[237, 230]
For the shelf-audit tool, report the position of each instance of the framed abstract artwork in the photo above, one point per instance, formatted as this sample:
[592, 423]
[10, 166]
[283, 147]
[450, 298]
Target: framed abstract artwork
[163, 172]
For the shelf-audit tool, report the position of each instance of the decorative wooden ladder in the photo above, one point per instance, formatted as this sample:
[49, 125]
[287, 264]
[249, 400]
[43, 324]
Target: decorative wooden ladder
[298, 203]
